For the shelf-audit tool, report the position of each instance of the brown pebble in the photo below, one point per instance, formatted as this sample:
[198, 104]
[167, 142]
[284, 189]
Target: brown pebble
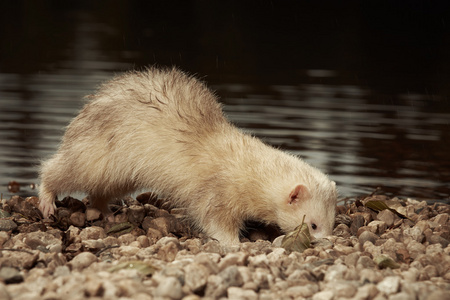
[92, 214]
[368, 236]
[78, 219]
[154, 235]
[387, 217]
[357, 222]
[136, 214]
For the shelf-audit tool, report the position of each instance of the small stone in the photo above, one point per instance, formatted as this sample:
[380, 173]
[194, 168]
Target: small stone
[162, 224]
[41, 238]
[169, 287]
[231, 276]
[367, 291]
[441, 219]
[389, 285]
[128, 250]
[209, 260]
[217, 285]
[368, 275]
[61, 271]
[415, 248]
[258, 261]
[82, 260]
[197, 277]
[126, 239]
[148, 197]
[10, 275]
[387, 217]
[212, 247]
[4, 214]
[357, 222]
[343, 289]
[377, 227]
[335, 272]
[144, 242]
[439, 295]
[401, 296]
[343, 219]
[368, 236]
[437, 239]
[7, 225]
[92, 233]
[136, 214]
[241, 294]
[428, 272]
[234, 259]
[4, 295]
[93, 214]
[25, 208]
[304, 291]
[415, 233]
[154, 235]
[168, 251]
[77, 219]
[130, 201]
[352, 258]
[94, 288]
[121, 217]
[342, 230]
[323, 295]
[4, 236]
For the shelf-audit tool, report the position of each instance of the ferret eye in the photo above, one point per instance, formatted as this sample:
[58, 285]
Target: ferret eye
[313, 226]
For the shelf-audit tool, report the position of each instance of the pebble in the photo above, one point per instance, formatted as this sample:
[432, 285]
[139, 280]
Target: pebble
[7, 225]
[389, 285]
[241, 294]
[83, 260]
[169, 287]
[45, 262]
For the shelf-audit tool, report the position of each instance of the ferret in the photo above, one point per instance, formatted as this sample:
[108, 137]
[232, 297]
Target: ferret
[164, 130]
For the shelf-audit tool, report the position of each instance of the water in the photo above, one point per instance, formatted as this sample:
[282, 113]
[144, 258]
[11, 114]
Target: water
[367, 118]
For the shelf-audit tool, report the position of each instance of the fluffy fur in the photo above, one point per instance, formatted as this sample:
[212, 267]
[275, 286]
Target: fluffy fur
[164, 130]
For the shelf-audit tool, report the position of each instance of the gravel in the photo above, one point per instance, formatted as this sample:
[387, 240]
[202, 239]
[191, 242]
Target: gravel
[150, 252]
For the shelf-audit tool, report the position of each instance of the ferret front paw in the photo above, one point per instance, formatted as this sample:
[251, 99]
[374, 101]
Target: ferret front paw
[47, 208]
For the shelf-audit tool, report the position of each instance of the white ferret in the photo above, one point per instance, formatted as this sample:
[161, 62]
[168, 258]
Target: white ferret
[164, 130]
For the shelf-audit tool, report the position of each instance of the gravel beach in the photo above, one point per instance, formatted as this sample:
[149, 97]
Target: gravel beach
[396, 249]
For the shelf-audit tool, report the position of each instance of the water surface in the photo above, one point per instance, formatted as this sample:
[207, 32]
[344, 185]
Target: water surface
[365, 101]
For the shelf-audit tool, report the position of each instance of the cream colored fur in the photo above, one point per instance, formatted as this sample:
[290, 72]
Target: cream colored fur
[164, 130]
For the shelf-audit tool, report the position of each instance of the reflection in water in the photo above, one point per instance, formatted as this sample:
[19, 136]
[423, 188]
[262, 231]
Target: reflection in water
[362, 145]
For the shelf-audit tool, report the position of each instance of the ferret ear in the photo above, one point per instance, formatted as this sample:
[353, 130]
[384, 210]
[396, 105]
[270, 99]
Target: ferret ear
[297, 194]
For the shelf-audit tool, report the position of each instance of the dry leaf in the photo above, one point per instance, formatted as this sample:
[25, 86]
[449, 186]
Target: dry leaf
[378, 206]
[125, 227]
[297, 240]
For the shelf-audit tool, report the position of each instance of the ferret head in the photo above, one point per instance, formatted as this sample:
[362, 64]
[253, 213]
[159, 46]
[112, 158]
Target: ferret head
[316, 200]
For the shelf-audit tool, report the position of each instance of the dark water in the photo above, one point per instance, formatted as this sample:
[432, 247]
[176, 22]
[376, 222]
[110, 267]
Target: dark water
[365, 100]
